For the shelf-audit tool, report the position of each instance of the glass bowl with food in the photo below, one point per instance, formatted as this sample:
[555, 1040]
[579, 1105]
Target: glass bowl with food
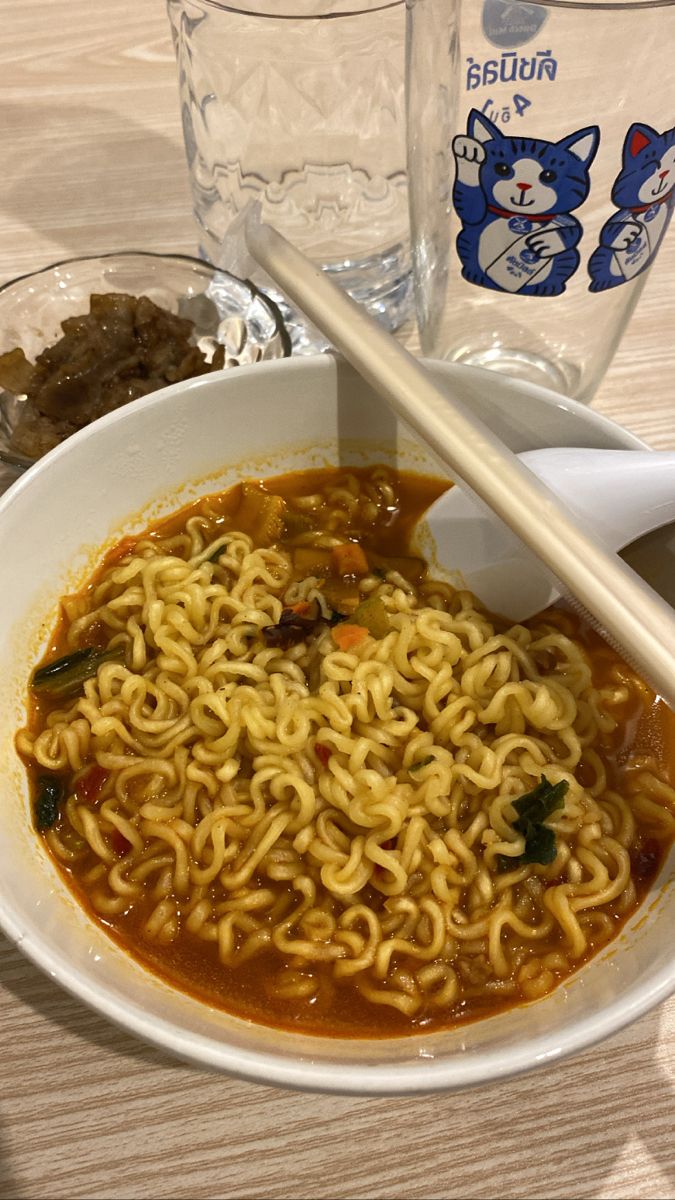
[82, 337]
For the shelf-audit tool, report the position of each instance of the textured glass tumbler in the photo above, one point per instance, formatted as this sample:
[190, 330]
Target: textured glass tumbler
[541, 158]
[300, 104]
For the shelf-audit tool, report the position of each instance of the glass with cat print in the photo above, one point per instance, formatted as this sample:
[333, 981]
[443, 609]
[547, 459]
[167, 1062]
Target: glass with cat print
[541, 160]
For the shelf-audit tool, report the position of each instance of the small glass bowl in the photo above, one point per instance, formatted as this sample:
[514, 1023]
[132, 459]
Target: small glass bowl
[224, 309]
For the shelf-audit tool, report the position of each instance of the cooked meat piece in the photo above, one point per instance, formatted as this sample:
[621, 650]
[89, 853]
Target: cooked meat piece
[123, 348]
[15, 372]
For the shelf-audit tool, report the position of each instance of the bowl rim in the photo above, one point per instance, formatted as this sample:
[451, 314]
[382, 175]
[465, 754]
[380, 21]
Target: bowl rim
[173, 256]
[425, 1074]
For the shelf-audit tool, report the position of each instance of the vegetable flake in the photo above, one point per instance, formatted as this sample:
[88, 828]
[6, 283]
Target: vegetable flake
[533, 810]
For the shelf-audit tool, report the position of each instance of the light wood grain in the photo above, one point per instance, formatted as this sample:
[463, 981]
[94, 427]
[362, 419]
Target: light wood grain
[92, 161]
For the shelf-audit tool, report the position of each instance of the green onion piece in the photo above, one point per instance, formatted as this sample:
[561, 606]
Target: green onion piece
[215, 554]
[423, 762]
[49, 798]
[65, 676]
[296, 523]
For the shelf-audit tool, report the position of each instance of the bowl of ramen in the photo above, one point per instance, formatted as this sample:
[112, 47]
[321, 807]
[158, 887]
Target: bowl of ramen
[276, 800]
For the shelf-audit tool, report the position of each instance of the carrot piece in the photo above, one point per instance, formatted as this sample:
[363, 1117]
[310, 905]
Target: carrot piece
[322, 752]
[90, 785]
[301, 608]
[349, 559]
[348, 637]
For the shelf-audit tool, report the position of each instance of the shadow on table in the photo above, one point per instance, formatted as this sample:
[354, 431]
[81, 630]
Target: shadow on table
[121, 176]
[560, 1132]
[555, 1133]
[29, 986]
[590, 1111]
[79, 1030]
[10, 1188]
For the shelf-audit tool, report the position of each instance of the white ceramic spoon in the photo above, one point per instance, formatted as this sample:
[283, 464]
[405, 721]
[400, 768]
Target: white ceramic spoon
[617, 495]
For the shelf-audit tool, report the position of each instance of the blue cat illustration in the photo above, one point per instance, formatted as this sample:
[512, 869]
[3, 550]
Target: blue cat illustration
[644, 195]
[514, 196]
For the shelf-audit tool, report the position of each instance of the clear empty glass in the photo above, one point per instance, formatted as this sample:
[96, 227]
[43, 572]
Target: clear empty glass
[300, 104]
[542, 169]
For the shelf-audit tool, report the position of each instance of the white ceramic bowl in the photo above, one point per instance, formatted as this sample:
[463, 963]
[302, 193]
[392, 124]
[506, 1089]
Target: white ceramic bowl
[146, 460]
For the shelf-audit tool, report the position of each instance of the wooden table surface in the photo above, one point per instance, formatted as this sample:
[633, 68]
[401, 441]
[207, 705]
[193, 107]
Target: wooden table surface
[92, 161]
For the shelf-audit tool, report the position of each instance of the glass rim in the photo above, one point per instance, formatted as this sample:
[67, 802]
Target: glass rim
[587, 5]
[243, 10]
[600, 5]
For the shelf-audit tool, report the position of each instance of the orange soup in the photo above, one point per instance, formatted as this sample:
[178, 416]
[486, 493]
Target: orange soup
[298, 778]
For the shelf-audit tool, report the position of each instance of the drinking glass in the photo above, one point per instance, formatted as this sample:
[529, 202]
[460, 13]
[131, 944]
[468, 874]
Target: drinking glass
[300, 104]
[541, 158]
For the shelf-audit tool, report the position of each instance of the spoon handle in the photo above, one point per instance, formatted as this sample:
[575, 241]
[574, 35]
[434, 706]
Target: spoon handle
[628, 611]
[624, 493]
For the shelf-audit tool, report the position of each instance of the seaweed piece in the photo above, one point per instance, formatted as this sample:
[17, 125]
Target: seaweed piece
[533, 809]
[295, 625]
[49, 799]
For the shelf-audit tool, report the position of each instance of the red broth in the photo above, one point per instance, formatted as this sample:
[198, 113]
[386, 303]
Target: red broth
[644, 738]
